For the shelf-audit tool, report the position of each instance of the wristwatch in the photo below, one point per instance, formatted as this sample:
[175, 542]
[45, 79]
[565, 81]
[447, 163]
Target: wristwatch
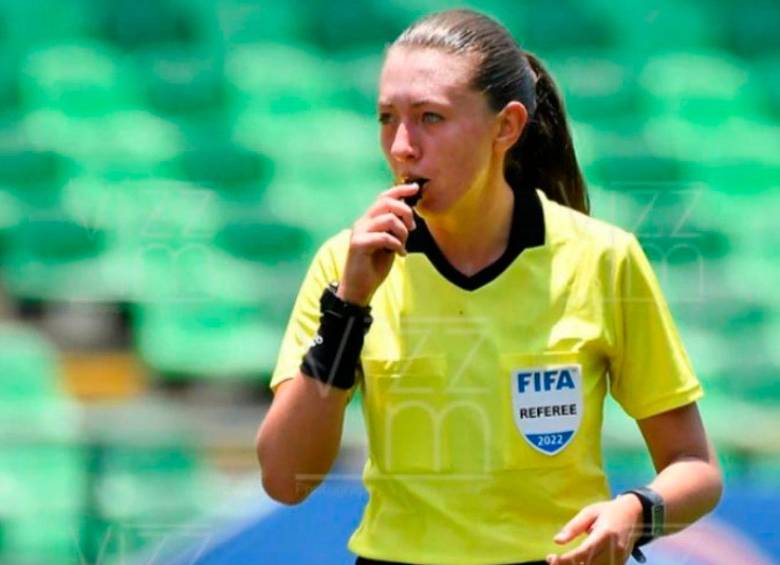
[653, 511]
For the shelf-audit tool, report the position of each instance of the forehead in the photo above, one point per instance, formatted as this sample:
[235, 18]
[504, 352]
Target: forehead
[415, 73]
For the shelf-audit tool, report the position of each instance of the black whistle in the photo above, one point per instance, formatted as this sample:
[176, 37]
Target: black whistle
[415, 198]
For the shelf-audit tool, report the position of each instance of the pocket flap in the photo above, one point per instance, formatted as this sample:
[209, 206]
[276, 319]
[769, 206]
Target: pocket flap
[429, 365]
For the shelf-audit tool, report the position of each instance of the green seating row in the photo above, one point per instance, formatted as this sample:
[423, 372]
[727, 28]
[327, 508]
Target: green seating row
[744, 27]
[90, 78]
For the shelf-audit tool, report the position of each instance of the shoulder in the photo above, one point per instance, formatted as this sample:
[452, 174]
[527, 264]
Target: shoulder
[572, 230]
[332, 253]
[337, 244]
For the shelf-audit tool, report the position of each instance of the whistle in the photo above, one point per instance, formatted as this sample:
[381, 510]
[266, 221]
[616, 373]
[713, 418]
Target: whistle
[415, 198]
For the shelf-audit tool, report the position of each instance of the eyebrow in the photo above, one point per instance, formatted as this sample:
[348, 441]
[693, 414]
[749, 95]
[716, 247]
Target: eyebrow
[415, 104]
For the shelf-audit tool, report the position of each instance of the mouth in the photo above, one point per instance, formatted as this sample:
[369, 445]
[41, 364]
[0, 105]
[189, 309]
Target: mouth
[415, 198]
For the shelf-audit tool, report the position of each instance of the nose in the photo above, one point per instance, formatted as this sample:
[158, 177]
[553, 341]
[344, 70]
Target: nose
[404, 147]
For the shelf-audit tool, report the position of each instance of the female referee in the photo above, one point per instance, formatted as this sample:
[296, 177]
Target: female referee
[484, 327]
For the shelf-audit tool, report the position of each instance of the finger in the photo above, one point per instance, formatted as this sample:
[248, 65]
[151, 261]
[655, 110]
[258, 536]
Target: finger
[397, 207]
[401, 190]
[389, 222]
[580, 524]
[583, 554]
[370, 242]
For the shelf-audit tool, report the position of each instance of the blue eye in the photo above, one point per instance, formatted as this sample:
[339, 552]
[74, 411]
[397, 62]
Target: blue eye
[432, 118]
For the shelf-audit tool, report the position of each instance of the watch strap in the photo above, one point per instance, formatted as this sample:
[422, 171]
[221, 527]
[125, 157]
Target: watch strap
[653, 510]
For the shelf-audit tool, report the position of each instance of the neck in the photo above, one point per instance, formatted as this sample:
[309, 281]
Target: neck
[474, 233]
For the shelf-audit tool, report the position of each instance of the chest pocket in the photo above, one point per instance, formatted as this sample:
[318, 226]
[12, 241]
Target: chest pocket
[544, 409]
[416, 424]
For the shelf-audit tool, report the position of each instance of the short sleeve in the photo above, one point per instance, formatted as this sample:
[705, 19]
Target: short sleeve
[305, 317]
[650, 371]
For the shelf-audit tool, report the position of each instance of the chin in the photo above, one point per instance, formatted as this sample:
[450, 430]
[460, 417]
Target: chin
[427, 208]
[432, 206]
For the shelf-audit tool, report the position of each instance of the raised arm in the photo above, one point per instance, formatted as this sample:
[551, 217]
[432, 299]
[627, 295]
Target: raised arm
[300, 436]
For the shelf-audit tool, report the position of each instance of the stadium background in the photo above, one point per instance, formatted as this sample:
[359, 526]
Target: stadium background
[167, 169]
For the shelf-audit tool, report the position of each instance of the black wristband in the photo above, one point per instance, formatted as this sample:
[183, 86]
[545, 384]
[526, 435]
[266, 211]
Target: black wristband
[335, 350]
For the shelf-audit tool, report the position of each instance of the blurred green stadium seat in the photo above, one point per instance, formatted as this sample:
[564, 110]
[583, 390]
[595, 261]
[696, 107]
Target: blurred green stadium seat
[273, 256]
[283, 79]
[334, 26]
[131, 143]
[702, 245]
[207, 340]
[29, 367]
[21, 167]
[234, 172]
[742, 325]
[271, 243]
[27, 24]
[642, 172]
[10, 96]
[702, 86]
[767, 69]
[56, 241]
[247, 21]
[54, 259]
[81, 79]
[318, 199]
[157, 234]
[738, 154]
[31, 388]
[748, 175]
[644, 28]
[357, 79]
[39, 468]
[182, 81]
[41, 497]
[596, 84]
[145, 495]
[570, 27]
[750, 28]
[139, 23]
[33, 176]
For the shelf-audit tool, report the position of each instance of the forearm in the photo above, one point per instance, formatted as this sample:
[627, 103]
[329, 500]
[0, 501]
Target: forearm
[300, 436]
[691, 487]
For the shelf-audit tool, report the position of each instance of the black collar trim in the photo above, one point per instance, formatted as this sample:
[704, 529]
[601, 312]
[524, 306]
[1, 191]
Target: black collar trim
[527, 230]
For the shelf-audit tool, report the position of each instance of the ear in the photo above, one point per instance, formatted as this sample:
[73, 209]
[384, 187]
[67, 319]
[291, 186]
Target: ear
[511, 123]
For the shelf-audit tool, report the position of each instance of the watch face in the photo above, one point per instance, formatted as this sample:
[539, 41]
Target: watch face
[652, 512]
[657, 519]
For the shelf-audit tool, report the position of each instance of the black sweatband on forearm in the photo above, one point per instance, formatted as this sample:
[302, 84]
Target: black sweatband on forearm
[335, 351]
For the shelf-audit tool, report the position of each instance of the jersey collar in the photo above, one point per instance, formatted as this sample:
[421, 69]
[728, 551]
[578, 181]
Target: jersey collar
[527, 230]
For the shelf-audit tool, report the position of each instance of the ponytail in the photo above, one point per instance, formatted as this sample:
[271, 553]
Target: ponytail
[544, 156]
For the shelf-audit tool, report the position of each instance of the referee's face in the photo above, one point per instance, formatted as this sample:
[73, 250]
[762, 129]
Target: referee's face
[435, 125]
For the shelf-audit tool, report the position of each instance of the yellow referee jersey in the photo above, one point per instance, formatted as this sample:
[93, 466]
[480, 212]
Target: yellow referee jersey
[482, 395]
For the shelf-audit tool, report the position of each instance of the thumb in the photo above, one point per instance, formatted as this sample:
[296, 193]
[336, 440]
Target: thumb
[580, 524]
